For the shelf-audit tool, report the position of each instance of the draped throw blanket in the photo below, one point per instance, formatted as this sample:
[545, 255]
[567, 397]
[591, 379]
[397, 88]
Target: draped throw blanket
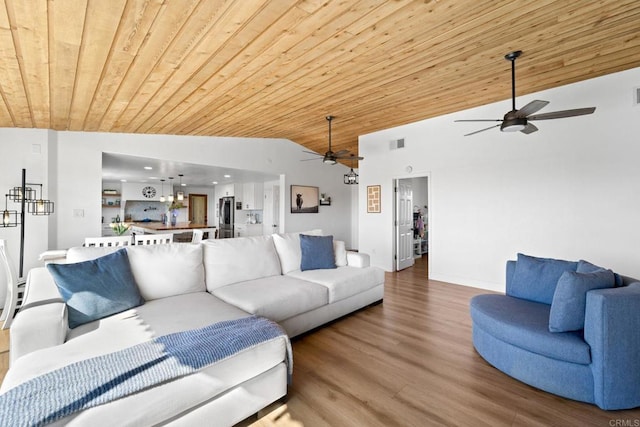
[92, 382]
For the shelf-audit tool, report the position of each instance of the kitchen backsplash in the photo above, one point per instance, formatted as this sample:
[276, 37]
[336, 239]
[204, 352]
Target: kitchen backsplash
[141, 210]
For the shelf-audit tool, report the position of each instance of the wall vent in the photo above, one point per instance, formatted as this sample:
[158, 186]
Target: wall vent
[636, 96]
[396, 143]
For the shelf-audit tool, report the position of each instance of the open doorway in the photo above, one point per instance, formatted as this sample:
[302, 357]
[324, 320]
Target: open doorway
[411, 221]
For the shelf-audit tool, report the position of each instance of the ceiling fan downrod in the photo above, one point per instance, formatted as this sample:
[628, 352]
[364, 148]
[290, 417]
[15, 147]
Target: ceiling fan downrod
[512, 56]
[329, 118]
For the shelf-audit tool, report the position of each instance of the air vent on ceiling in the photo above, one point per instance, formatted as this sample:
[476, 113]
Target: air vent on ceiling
[396, 143]
[636, 96]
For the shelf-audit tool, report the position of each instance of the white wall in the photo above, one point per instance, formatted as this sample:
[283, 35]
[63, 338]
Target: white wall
[75, 163]
[570, 190]
[29, 149]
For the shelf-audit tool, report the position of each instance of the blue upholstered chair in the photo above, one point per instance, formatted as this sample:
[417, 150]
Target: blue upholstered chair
[593, 353]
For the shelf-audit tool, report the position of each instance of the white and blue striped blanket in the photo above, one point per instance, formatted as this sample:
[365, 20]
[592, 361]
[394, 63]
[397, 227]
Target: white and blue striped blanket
[92, 382]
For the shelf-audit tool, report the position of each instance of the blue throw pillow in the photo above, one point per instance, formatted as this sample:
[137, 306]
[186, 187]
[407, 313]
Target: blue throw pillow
[587, 267]
[97, 288]
[317, 252]
[535, 279]
[570, 299]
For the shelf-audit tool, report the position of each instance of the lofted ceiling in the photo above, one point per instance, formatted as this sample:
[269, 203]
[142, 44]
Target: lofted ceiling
[264, 68]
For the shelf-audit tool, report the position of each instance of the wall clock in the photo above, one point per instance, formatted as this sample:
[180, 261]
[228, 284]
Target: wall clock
[149, 192]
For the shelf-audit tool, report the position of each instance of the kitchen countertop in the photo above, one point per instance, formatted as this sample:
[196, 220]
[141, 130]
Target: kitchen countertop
[158, 226]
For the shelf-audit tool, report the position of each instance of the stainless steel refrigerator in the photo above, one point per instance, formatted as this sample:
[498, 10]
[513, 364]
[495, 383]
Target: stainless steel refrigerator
[225, 223]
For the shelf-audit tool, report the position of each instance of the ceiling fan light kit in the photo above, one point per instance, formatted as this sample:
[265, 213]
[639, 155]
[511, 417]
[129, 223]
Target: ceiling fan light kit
[519, 120]
[330, 158]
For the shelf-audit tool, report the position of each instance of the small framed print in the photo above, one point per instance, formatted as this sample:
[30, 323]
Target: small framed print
[304, 199]
[373, 199]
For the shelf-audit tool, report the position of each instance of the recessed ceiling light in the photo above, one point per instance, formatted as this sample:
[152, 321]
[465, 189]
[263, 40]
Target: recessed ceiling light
[183, 185]
[148, 168]
[123, 180]
[227, 176]
[215, 182]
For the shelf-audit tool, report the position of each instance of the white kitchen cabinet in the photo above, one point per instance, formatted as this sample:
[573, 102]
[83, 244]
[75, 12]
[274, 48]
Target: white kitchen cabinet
[252, 195]
[247, 230]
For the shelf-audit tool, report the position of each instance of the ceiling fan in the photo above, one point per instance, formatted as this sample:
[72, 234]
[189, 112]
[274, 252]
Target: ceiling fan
[330, 157]
[519, 120]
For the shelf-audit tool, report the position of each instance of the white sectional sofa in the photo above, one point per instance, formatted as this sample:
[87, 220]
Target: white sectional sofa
[187, 286]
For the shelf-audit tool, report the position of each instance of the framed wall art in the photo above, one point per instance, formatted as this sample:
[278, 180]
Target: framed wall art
[304, 199]
[373, 199]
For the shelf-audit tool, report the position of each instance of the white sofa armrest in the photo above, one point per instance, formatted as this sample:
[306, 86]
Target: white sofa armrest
[42, 319]
[358, 259]
[56, 256]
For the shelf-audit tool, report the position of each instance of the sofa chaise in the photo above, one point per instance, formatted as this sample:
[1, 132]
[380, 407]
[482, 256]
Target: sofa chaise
[184, 287]
[569, 328]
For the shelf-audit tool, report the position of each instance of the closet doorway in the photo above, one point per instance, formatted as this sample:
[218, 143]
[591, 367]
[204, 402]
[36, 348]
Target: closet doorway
[411, 222]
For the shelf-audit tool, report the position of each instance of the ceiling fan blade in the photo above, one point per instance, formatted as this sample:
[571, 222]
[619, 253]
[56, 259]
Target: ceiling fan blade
[311, 152]
[531, 108]
[482, 130]
[306, 160]
[529, 128]
[562, 114]
[341, 153]
[479, 120]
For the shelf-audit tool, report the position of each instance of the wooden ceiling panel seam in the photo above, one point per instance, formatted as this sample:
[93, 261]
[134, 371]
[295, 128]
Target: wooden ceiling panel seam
[11, 91]
[130, 36]
[141, 48]
[136, 80]
[93, 57]
[20, 58]
[166, 103]
[147, 94]
[64, 50]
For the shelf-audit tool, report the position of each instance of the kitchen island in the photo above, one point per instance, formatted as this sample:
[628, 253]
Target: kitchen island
[160, 228]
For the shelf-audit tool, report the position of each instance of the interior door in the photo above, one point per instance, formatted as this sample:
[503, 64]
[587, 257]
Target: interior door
[198, 208]
[404, 224]
[275, 223]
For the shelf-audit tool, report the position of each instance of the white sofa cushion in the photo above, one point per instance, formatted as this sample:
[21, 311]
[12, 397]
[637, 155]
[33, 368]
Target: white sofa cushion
[276, 298]
[160, 270]
[288, 247]
[343, 282]
[340, 252]
[167, 270]
[230, 261]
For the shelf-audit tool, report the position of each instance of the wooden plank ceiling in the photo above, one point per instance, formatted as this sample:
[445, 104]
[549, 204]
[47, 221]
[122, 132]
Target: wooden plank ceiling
[264, 68]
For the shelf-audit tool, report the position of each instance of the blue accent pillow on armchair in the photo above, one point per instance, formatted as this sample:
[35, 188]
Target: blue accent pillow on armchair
[97, 288]
[570, 299]
[535, 279]
[317, 252]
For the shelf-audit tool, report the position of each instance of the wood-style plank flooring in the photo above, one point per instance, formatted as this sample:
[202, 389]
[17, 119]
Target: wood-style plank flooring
[410, 362]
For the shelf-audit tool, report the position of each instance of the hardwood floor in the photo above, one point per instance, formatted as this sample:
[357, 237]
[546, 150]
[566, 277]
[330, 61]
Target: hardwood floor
[410, 362]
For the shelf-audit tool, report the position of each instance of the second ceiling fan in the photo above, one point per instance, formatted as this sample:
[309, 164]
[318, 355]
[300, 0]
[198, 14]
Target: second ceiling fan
[519, 120]
[330, 157]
